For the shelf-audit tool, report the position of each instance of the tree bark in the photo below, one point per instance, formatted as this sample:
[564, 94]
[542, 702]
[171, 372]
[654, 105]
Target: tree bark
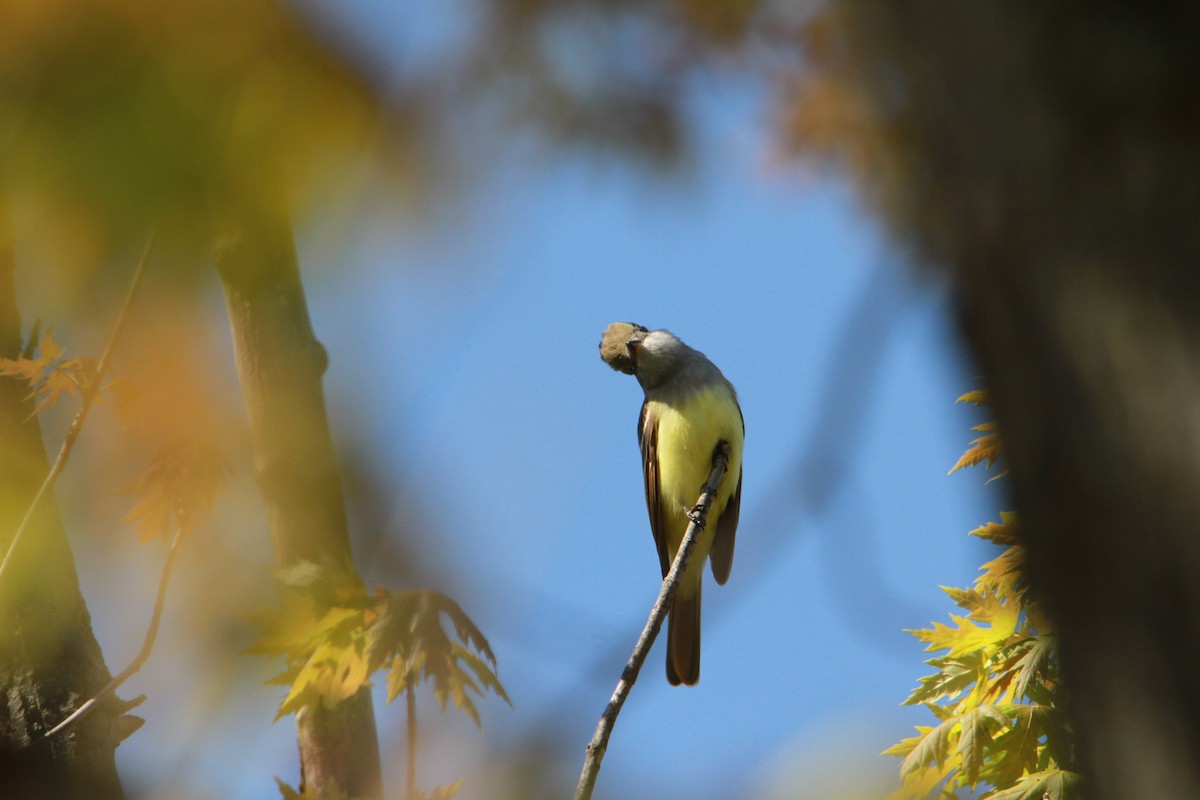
[280, 364]
[1049, 156]
[50, 661]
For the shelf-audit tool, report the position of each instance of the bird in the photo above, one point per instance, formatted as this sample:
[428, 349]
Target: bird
[689, 408]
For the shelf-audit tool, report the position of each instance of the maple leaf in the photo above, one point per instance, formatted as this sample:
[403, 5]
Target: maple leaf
[408, 637]
[977, 397]
[906, 746]
[1050, 784]
[933, 749]
[1049, 722]
[977, 727]
[334, 637]
[1006, 531]
[986, 448]
[1039, 657]
[334, 672]
[324, 644]
[1017, 747]
[50, 375]
[1003, 573]
[954, 676]
[176, 489]
[924, 785]
[966, 636]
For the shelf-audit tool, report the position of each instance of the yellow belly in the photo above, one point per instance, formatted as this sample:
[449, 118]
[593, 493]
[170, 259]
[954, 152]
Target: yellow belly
[688, 433]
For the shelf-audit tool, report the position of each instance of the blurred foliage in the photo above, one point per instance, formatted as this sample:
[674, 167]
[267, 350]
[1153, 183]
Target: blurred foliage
[334, 636]
[49, 374]
[997, 693]
[619, 74]
[118, 116]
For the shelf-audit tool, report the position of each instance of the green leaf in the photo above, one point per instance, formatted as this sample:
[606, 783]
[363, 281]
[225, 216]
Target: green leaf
[1037, 659]
[932, 749]
[1051, 784]
[408, 637]
[954, 676]
[1017, 748]
[978, 725]
[906, 746]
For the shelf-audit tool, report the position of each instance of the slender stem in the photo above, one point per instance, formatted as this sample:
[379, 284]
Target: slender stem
[88, 397]
[599, 742]
[147, 645]
[410, 699]
[280, 365]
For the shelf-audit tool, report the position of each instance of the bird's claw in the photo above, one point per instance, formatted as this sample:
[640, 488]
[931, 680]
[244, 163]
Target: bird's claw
[697, 513]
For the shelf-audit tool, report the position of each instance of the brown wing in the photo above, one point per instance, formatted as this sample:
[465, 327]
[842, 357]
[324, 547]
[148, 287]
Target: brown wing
[648, 439]
[720, 558]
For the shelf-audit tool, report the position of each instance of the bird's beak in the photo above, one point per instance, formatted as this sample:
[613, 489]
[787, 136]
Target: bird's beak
[634, 345]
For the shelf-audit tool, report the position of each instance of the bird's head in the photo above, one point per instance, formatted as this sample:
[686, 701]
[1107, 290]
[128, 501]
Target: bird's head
[619, 344]
[636, 350]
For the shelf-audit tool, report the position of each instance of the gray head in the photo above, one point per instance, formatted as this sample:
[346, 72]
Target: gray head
[658, 356]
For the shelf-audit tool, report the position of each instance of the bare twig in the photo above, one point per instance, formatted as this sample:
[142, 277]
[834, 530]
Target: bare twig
[147, 644]
[88, 397]
[599, 743]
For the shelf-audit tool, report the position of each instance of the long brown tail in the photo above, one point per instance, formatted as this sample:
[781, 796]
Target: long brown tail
[683, 640]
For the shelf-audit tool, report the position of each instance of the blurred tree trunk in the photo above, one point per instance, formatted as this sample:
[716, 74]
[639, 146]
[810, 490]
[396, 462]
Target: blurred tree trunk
[281, 363]
[1048, 154]
[49, 660]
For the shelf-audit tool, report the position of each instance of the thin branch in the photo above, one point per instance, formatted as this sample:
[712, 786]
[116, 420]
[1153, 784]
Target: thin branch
[88, 397]
[599, 744]
[147, 644]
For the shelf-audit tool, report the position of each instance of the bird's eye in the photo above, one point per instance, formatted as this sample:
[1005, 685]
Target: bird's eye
[632, 345]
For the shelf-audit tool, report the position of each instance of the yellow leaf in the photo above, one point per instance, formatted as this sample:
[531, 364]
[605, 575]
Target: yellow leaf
[966, 636]
[986, 449]
[1001, 573]
[1006, 531]
[49, 375]
[977, 397]
[176, 489]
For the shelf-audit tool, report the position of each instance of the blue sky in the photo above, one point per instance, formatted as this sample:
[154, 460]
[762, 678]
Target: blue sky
[463, 355]
[526, 447]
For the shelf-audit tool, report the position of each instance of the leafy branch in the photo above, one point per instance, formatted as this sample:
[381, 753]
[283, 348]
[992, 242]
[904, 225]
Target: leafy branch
[57, 378]
[997, 694]
[179, 485]
[658, 612]
[335, 636]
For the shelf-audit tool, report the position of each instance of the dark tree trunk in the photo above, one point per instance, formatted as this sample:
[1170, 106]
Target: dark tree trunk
[50, 662]
[280, 363]
[1050, 154]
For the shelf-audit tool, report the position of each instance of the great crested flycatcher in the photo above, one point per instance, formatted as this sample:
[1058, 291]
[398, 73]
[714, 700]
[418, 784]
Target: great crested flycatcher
[689, 408]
